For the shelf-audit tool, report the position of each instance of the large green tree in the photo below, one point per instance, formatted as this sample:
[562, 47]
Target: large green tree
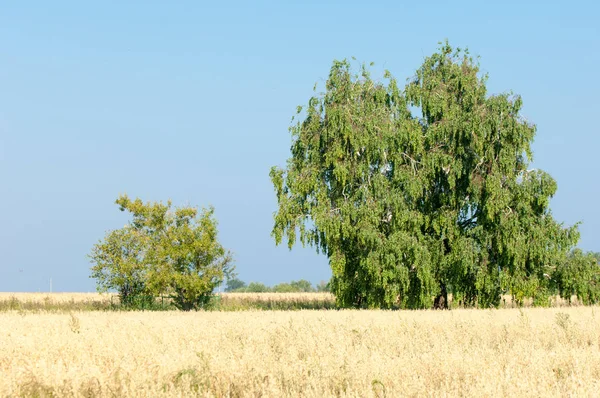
[418, 191]
[163, 251]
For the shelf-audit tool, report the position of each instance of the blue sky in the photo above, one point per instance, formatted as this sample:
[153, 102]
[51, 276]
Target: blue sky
[192, 102]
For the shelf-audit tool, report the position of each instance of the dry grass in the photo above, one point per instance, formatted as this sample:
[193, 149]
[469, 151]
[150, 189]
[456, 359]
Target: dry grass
[78, 297]
[276, 301]
[65, 302]
[60, 302]
[508, 352]
[56, 298]
[226, 302]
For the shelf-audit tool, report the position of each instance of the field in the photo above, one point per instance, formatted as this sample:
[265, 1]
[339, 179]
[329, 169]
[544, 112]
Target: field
[64, 302]
[506, 352]
[61, 302]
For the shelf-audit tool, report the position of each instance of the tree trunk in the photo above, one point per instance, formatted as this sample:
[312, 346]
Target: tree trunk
[441, 301]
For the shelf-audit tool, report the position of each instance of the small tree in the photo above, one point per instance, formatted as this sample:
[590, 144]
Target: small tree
[119, 264]
[235, 284]
[302, 286]
[163, 251]
[257, 287]
[285, 288]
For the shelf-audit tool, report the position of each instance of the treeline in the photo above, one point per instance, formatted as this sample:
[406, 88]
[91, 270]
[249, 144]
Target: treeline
[235, 285]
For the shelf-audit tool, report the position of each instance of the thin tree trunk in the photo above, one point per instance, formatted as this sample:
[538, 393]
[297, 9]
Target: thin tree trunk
[441, 301]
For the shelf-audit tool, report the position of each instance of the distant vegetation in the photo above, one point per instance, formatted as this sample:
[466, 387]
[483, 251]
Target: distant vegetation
[302, 286]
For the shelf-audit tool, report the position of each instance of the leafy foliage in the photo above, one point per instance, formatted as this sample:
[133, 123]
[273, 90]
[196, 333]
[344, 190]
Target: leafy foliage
[119, 264]
[162, 251]
[579, 275]
[411, 205]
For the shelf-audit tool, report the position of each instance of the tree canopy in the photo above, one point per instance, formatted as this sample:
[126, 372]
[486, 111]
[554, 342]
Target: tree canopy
[418, 191]
[162, 251]
[579, 275]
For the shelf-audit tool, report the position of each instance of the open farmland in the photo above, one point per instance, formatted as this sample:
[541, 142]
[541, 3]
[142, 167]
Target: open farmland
[507, 352]
[109, 301]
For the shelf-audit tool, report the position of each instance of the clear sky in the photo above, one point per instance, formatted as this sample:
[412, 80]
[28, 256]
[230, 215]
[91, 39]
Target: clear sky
[192, 100]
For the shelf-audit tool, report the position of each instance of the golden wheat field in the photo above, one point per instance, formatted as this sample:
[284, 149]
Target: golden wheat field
[56, 297]
[61, 302]
[41, 300]
[506, 352]
[78, 297]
